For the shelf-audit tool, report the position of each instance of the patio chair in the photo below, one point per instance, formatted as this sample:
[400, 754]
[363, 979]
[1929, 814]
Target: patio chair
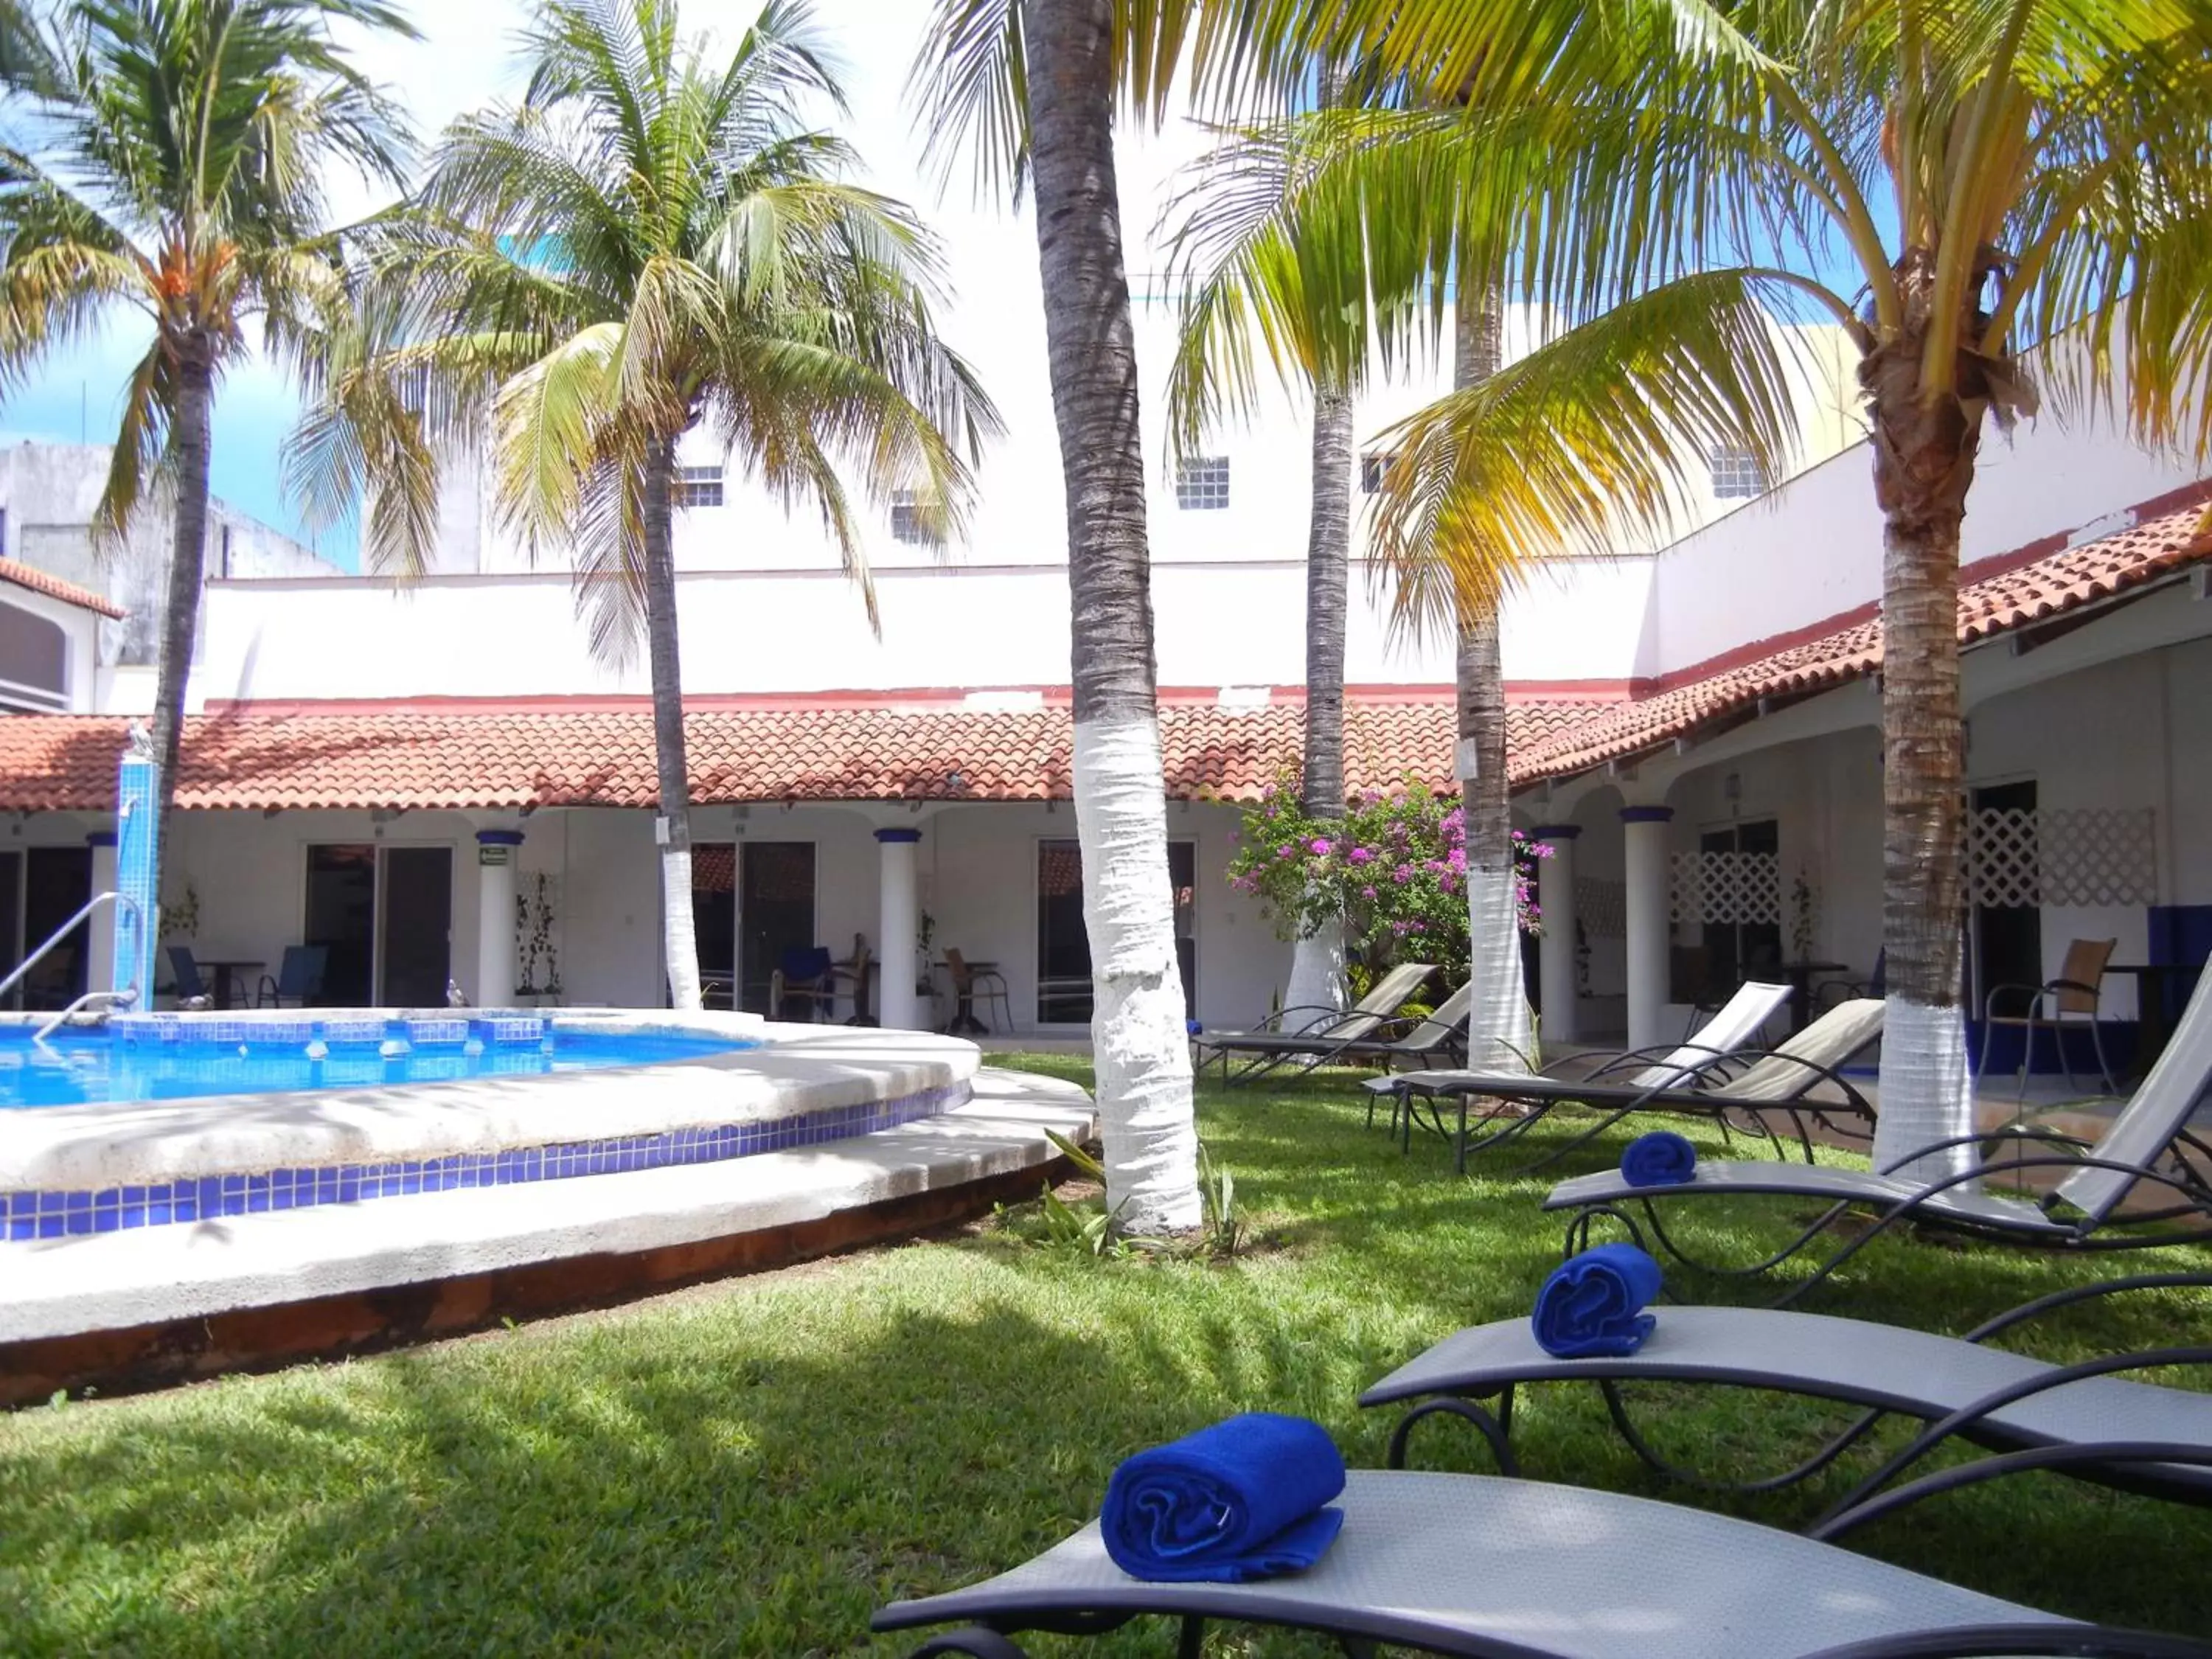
[1829, 992]
[1503, 1569]
[803, 977]
[298, 977]
[1318, 1035]
[1714, 1083]
[187, 971]
[971, 980]
[2058, 1006]
[2148, 1144]
[850, 978]
[1965, 1392]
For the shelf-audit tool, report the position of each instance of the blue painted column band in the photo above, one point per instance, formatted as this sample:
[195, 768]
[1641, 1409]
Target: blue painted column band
[1555, 832]
[1646, 814]
[898, 835]
[499, 837]
[101, 838]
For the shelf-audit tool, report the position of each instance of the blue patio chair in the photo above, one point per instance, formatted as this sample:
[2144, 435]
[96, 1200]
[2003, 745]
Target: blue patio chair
[189, 983]
[806, 977]
[298, 977]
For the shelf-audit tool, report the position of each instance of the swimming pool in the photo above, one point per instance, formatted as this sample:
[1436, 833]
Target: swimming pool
[160, 1119]
[131, 1061]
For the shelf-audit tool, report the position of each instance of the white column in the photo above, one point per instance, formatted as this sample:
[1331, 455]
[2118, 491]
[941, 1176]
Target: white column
[498, 851]
[898, 923]
[1555, 949]
[1644, 838]
[100, 960]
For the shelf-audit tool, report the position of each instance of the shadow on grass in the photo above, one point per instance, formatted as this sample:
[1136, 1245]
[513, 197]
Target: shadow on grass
[751, 1467]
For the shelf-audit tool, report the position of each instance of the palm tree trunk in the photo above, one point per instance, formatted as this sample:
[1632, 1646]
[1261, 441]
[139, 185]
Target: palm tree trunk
[1318, 959]
[1499, 1037]
[189, 443]
[1143, 1063]
[1923, 464]
[679, 940]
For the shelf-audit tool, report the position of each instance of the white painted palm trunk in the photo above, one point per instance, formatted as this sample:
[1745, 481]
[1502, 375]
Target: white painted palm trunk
[1927, 1091]
[679, 938]
[1317, 970]
[1499, 1034]
[1142, 1052]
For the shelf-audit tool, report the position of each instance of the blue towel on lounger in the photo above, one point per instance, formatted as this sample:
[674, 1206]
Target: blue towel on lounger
[1239, 1501]
[1593, 1303]
[1662, 1158]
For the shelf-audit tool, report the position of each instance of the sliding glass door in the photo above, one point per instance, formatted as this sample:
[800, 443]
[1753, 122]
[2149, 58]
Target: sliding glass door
[1063, 952]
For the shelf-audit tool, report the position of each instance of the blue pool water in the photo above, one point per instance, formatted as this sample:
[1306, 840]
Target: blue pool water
[80, 1068]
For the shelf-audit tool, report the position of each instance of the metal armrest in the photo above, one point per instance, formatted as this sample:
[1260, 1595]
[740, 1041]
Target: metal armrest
[2067, 1298]
[2034, 994]
[2074, 985]
[1829, 1073]
[1974, 1412]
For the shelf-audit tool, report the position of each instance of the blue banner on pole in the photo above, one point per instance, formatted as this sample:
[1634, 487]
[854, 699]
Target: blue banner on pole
[137, 826]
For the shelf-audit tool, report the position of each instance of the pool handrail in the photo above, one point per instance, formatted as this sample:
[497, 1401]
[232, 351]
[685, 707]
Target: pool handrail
[83, 915]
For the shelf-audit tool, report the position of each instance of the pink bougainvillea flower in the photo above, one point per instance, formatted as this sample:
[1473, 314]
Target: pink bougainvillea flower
[1361, 855]
[1403, 874]
[1320, 845]
[1367, 892]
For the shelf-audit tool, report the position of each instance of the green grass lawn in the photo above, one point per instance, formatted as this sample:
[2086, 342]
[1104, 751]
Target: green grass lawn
[751, 1466]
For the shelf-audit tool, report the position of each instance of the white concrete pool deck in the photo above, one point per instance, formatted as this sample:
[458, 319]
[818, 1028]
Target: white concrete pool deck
[109, 1281]
[798, 1069]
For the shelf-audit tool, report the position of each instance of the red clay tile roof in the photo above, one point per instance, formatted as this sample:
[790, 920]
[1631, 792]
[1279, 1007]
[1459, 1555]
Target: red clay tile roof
[603, 757]
[2010, 595]
[40, 581]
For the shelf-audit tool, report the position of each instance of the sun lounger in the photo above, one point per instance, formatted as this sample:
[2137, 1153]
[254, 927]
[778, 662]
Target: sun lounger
[2148, 1144]
[1781, 1080]
[1962, 1389]
[1313, 1035]
[1476, 1564]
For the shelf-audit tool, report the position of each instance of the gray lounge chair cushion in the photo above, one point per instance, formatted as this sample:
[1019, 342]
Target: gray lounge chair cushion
[1916, 1373]
[1476, 1564]
[1773, 1177]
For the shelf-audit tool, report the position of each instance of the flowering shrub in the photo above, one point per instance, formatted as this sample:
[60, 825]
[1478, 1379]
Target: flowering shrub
[1394, 867]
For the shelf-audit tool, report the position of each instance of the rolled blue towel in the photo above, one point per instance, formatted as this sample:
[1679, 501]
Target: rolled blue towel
[1593, 1303]
[1239, 1501]
[1662, 1158]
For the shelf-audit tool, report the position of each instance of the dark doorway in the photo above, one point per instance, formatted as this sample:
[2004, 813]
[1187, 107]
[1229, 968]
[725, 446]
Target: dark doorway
[775, 911]
[1064, 942]
[2007, 938]
[341, 917]
[714, 920]
[58, 882]
[418, 926]
[1737, 951]
[11, 919]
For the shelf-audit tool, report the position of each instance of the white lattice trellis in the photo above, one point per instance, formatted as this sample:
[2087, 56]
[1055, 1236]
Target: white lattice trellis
[1727, 887]
[2092, 856]
[1601, 906]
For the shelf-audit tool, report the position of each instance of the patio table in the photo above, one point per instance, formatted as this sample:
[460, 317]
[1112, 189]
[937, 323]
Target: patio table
[2152, 1026]
[225, 976]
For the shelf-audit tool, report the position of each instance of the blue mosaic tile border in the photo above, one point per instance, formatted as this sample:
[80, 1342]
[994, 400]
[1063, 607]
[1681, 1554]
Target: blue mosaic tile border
[27, 1217]
[167, 1028]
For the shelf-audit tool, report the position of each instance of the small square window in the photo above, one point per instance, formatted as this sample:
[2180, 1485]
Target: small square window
[1737, 475]
[910, 523]
[698, 486]
[1374, 466]
[1202, 484]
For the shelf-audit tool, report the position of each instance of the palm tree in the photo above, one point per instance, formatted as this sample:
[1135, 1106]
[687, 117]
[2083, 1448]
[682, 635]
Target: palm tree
[1035, 83]
[171, 159]
[650, 242]
[1229, 293]
[2015, 189]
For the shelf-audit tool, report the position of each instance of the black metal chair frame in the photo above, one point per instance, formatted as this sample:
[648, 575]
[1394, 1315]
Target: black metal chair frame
[2090, 1233]
[1523, 1113]
[2030, 1021]
[1969, 1423]
[1309, 1043]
